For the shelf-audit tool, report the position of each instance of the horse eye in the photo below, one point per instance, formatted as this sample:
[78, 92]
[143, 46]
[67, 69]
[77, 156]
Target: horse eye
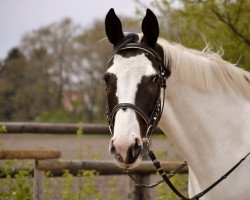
[154, 78]
[106, 78]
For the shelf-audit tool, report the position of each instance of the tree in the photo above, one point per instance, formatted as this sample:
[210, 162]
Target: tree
[52, 49]
[51, 61]
[91, 61]
[221, 23]
[23, 92]
[74, 60]
[96, 50]
[10, 80]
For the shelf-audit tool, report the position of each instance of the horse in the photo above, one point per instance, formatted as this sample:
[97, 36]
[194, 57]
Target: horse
[206, 113]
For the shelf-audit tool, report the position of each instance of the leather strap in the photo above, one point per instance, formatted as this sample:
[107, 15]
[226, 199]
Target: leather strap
[173, 188]
[130, 106]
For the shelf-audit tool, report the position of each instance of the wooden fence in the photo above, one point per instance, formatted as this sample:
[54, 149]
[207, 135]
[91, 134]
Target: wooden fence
[35, 154]
[48, 159]
[59, 128]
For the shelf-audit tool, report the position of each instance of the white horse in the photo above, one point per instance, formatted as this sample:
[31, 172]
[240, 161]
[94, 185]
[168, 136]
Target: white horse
[206, 113]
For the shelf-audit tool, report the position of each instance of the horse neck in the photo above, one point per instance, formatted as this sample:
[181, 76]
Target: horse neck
[209, 129]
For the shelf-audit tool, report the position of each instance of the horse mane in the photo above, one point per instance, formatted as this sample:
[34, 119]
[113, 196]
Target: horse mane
[205, 69]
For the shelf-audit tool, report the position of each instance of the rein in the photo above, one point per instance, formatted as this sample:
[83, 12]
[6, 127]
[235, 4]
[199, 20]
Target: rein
[130, 42]
[166, 178]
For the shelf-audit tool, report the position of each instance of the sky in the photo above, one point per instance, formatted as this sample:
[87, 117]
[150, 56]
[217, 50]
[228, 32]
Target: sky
[18, 17]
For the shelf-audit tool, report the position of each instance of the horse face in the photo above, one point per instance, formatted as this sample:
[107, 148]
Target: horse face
[131, 78]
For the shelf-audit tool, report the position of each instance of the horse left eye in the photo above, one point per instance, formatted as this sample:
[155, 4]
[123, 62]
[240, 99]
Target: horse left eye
[155, 78]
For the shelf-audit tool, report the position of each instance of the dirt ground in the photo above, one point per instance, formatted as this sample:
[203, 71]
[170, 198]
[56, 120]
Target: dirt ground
[90, 147]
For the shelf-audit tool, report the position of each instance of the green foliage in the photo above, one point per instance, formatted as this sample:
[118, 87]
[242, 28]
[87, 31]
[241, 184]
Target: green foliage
[49, 186]
[18, 189]
[180, 181]
[2, 131]
[23, 94]
[58, 59]
[87, 189]
[68, 182]
[56, 116]
[221, 24]
[68, 187]
[35, 76]
[113, 194]
[21, 187]
[79, 134]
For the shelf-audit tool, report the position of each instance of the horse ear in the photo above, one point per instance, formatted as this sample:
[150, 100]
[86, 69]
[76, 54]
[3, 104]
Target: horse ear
[113, 27]
[150, 29]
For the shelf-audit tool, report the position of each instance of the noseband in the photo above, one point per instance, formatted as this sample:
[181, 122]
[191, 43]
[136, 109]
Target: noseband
[129, 42]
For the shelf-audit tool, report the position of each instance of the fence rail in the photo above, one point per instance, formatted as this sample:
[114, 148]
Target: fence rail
[47, 159]
[58, 167]
[57, 128]
[104, 167]
[34, 154]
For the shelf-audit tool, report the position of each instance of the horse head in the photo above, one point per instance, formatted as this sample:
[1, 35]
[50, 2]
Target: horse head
[134, 78]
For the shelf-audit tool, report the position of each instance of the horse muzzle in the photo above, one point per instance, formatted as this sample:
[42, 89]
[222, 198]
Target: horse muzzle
[126, 158]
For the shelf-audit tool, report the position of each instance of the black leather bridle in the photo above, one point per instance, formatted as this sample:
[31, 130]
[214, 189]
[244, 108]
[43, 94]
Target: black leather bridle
[130, 42]
[163, 73]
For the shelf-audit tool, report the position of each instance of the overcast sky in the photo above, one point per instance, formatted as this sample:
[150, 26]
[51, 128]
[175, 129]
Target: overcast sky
[18, 17]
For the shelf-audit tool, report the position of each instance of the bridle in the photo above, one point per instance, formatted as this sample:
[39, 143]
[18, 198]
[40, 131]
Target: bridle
[130, 42]
[162, 72]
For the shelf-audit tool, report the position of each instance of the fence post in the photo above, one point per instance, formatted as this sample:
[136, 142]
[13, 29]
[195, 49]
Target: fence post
[38, 182]
[136, 192]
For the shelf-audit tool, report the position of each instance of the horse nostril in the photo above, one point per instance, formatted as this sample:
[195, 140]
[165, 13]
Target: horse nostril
[137, 141]
[133, 153]
[136, 149]
[112, 150]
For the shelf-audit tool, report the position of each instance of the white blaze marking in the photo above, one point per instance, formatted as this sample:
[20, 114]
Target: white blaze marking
[129, 73]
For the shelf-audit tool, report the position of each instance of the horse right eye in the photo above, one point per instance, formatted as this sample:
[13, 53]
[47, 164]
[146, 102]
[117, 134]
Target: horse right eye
[106, 78]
